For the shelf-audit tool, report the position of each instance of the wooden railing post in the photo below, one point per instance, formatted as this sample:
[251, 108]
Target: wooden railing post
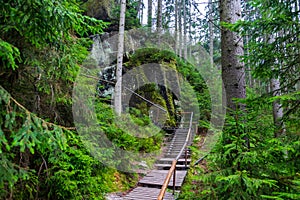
[174, 180]
[185, 157]
[167, 181]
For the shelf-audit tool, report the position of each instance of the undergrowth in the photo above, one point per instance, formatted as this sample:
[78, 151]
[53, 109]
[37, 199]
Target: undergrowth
[248, 162]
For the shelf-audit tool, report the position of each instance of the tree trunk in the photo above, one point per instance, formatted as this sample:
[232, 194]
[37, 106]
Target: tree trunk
[118, 87]
[277, 108]
[233, 73]
[180, 28]
[149, 14]
[176, 26]
[184, 30]
[211, 33]
[190, 29]
[275, 89]
[159, 15]
[250, 82]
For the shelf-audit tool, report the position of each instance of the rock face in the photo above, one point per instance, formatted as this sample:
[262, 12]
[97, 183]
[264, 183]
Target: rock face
[99, 9]
[147, 73]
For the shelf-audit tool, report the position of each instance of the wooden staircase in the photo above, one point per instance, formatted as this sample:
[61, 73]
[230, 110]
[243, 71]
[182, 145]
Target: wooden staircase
[174, 164]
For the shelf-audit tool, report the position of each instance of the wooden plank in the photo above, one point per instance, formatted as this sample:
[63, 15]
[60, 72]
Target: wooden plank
[149, 186]
[157, 177]
[170, 160]
[167, 166]
[145, 193]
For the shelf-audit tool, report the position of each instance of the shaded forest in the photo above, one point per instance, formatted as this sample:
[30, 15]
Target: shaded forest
[237, 57]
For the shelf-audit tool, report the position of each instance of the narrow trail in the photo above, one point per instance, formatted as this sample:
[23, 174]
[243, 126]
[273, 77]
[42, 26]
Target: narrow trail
[150, 186]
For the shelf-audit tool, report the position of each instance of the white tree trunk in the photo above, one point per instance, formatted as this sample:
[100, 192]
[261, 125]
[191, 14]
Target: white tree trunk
[118, 87]
[233, 73]
[277, 108]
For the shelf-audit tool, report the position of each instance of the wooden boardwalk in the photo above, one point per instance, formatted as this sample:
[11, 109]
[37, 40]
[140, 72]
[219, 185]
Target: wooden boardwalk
[150, 185]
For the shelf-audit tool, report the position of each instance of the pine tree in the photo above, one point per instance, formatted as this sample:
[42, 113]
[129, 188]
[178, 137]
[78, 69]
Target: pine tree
[233, 73]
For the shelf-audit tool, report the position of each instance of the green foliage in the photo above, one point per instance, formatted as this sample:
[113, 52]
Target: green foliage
[130, 133]
[9, 54]
[42, 160]
[273, 58]
[248, 162]
[40, 52]
[187, 70]
[28, 20]
[131, 14]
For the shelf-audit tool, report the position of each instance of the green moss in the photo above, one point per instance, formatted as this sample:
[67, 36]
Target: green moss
[164, 96]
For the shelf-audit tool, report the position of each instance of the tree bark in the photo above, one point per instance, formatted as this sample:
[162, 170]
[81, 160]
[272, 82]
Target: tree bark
[159, 15]
[184, 30]
[176, 26]
[233, 73]
[211, 33]
[275, 89]
[118, 87]
[149, 22]
[180, 28]
[190, 29]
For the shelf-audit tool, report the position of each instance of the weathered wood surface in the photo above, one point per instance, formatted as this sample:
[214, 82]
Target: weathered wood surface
[146, 193]
[156, 178]
[149, 186]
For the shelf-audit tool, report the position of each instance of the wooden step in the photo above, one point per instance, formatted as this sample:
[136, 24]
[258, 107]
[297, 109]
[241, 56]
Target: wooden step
[156, 179]
[173, 156]
[168, 166]
[170, 160]
[145, 193]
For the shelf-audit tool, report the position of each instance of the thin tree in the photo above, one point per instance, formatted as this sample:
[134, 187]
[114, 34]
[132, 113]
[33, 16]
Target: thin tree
[184, 30]
[149, 22]
[180, 27]
[276, 91]
[176, 26]
[118, 87]
[159, 15]
[233, 73]
[211, 32]
[190, 29]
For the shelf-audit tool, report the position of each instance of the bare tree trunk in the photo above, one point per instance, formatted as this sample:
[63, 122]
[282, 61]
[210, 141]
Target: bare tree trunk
[190, 29]
[184, 30]
[180, 28]
[159, 15]
[149, 22]
[250, 81]
[211, 33]
[176, 26]
[277, 108]
[140, 9]
[275, 89]
[233, 73]
[118, 87]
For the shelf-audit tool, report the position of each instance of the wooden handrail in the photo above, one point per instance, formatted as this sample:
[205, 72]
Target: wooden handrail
[172, 169]
[167, 181]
